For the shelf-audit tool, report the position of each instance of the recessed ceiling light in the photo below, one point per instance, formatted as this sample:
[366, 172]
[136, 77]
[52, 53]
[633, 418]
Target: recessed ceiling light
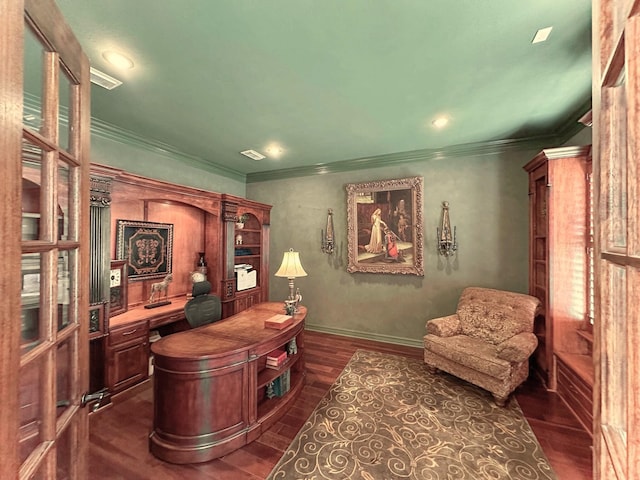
[441, 122]
[542, 35]
[118, 59]
[274, 150]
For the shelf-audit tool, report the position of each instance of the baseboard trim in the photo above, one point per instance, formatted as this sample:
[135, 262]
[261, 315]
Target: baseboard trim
[407, 342]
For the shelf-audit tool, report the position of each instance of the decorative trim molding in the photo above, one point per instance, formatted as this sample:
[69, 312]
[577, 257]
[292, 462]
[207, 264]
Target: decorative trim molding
[112, 132]
[455, 151]
[407, 342]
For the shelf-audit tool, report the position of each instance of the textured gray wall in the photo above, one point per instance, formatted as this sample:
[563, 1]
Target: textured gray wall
[160, 165]
[488, 204]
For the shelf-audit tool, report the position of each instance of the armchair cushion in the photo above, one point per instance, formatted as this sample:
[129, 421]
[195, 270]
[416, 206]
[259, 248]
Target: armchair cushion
[495, 315]
[472, 352]
[518, 348]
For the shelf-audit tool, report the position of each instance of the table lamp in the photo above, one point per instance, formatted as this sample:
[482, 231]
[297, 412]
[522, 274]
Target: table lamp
[291, 268]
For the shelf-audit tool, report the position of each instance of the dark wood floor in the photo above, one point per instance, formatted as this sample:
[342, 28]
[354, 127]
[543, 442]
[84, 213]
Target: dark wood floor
[119, 446]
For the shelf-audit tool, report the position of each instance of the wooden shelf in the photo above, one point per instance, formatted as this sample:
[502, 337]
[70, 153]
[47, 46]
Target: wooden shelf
[269, 374]
[267, 406]
[581, 365]
[588, 336]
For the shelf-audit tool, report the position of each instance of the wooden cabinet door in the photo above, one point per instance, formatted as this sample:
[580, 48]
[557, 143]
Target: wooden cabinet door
[616, 106]
[128, 365]
[44, 166]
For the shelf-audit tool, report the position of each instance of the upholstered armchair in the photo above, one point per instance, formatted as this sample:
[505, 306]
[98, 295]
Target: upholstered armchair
[487, 342]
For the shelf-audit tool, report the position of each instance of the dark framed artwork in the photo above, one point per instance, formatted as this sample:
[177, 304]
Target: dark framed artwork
[97, 325]
[118, 287]
[146, 246]
[384, 225]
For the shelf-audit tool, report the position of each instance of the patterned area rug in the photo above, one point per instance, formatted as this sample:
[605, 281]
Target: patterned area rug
[386, 417]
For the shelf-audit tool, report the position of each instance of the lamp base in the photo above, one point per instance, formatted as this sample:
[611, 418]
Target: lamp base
[290, 306]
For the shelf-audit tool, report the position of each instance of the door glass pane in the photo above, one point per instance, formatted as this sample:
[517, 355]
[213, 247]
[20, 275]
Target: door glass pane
[33, 75]
[618, 171]
[616, 377]
[31, 181]
[31, 383]
[63, 376]
[64, 190]
[64, 98]
[63, 289]
[31, 326]
[63, 453]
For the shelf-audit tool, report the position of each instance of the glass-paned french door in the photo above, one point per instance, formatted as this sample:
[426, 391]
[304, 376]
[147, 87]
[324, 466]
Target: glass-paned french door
[44, 129]
[616, 103]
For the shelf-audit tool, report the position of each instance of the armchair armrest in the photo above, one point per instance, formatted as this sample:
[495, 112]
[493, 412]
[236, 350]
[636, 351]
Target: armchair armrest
[444, 326]
[518, 348]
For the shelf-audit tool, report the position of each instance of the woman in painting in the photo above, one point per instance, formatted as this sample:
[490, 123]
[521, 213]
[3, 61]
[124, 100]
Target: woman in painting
[377, 225]
[390, 245]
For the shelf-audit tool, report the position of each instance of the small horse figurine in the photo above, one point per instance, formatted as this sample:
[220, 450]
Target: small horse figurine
[161, 289]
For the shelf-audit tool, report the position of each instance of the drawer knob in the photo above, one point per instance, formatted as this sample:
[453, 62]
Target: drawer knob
[130, 332]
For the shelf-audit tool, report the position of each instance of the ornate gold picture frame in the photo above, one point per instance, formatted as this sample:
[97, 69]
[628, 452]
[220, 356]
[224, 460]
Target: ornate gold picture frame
[384, 224]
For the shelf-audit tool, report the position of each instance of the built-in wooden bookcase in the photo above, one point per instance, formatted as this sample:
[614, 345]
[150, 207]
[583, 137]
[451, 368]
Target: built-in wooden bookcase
[246, 244]
[294, 365]
[204, 231]
[560, 274]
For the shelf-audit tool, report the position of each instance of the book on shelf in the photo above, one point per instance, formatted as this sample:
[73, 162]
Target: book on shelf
[282, 384]
[278, 321]
[276, 358]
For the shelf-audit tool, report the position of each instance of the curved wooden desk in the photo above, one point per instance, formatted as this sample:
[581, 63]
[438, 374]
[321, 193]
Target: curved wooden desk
[210, 384]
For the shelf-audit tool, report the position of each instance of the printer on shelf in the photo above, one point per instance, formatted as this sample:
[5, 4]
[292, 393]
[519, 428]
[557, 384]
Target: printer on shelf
[245, 276]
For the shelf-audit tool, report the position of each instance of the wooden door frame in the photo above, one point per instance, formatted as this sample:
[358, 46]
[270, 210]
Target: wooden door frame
[616, 48]
[11, 85]
[52, 26]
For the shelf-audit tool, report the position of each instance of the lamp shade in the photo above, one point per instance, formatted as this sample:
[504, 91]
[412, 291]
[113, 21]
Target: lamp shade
[291, 266]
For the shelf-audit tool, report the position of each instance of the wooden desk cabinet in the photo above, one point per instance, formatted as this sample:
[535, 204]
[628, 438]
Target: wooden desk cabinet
[211, 384]
[127, 355]
[127, 350]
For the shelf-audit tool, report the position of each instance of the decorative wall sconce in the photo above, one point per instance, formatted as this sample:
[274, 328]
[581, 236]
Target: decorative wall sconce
[326, 238]
[447, 243]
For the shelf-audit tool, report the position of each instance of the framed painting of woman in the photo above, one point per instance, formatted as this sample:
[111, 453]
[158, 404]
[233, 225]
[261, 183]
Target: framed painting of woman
[384, 224]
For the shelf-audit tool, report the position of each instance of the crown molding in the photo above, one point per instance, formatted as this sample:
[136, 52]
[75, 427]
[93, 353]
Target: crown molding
[455, 151]
[112, 132]
[572, 125]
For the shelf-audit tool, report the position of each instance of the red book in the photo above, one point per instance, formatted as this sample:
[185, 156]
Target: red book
[278, 321]
[277, 357]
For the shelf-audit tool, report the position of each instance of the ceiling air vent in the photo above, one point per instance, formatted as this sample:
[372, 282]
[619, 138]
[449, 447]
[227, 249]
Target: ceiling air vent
[253, 155]
[104, 80]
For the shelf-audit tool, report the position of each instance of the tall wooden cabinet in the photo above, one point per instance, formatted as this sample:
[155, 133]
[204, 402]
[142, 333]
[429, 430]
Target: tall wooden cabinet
[559, 269]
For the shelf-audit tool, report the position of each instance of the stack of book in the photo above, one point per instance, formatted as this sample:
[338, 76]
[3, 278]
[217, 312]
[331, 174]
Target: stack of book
[276, 359]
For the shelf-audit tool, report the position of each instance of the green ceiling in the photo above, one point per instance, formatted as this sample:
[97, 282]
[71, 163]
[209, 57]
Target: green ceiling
[354, 81]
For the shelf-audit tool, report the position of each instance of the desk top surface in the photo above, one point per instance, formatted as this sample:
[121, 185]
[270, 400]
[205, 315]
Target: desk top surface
[140, 313]
[242, 332]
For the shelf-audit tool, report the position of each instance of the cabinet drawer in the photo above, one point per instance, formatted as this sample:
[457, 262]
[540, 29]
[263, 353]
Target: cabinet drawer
[576, 394]
[128, 332]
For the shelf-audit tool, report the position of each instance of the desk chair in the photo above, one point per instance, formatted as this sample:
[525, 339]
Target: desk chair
[202, 308]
